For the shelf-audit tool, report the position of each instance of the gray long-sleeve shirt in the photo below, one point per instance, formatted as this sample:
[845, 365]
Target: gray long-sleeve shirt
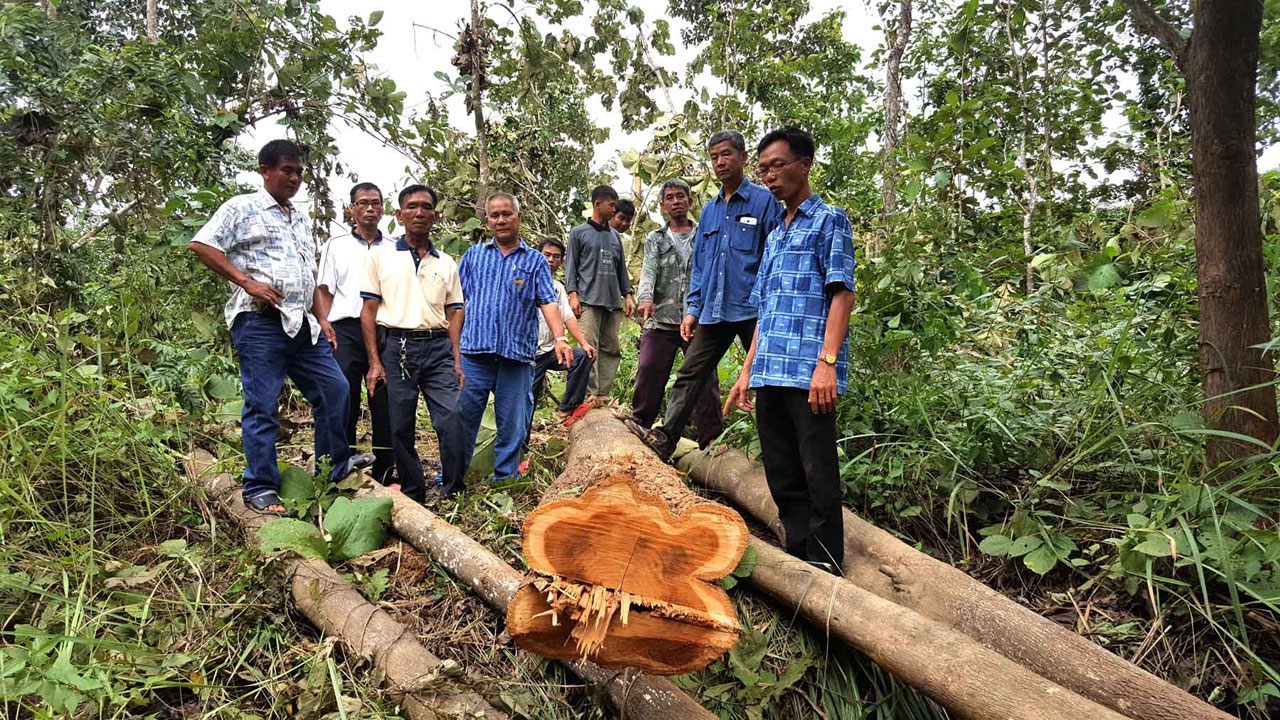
[596, 267]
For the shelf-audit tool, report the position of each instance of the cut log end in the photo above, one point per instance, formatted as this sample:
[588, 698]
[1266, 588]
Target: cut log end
[621, 580]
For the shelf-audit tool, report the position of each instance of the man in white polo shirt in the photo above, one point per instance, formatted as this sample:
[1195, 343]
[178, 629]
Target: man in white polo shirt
[338, 306]
[411, 320]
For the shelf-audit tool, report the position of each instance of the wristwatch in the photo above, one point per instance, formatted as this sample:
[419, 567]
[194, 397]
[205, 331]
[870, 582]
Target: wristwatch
[828, 358]
[563, 339]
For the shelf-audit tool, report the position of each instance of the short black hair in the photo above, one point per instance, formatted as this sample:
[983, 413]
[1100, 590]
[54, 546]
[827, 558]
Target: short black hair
[361, 187]
[626, 207]
[603, 192]
[800, 142]
[552, 241]
[732, 137]
[417, 188]
[273, 152]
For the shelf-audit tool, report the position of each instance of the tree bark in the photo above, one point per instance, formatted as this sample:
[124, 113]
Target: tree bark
[151, 21]
[1220, 63]
[623, 558]
[477, 108]
[892, 123]
[953, 669]
[1024, 160]
[328, 601]
[636, 696]
[890, 569]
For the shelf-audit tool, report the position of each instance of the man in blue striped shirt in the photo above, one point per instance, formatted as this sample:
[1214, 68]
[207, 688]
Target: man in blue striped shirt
[798, 361]
[506, 284]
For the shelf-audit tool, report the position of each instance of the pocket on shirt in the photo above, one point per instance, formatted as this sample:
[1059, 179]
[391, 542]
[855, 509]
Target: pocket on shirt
[522, 284]
[744, 237]
[435, 290]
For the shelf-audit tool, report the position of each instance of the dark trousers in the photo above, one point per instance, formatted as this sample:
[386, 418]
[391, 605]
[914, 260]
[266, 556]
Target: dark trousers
[424, 367]
[658, 350]
[575, 384]
[710, 343]
[798, 450]
[354, 361]
[267, 355]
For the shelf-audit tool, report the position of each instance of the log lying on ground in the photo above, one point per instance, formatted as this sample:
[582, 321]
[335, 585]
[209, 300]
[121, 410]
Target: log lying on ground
[953, 669]
[880, 563]
[339, 610]
[638, 697]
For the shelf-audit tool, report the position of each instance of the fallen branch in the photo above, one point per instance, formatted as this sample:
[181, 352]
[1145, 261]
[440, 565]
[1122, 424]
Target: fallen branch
[339, 610]
[953, 669]
[635, 696]
[877, 562]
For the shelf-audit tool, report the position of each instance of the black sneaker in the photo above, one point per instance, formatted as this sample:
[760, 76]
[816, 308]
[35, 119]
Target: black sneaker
[655, 439]
[354, 463]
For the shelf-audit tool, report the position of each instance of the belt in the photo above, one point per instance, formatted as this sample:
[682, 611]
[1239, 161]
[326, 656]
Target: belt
[417, 334]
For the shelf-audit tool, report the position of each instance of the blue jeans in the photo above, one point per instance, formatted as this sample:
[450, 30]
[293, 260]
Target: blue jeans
[267, 355]
[510, 381]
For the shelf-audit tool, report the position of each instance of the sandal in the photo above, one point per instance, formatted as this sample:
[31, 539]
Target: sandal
[263, 501]
[577, 414]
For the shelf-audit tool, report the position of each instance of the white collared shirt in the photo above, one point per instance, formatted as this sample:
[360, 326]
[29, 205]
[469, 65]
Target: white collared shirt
[268, 246]
[342, 270]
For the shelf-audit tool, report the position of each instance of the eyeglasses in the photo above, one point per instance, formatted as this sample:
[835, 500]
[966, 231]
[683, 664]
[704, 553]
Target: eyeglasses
[363, 204]
[771, 168]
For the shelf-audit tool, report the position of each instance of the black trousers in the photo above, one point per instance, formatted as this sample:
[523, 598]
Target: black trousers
[798, 449]
[710, 343]
[417, 367]
[354, 362]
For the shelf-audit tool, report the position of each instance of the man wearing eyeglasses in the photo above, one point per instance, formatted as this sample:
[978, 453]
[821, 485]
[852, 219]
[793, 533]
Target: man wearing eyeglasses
[726, 256]
[798, 361]
[342, 267]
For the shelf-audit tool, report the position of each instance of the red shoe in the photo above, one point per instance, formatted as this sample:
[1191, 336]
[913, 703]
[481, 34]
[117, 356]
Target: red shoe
[524, 467]
[577, 413]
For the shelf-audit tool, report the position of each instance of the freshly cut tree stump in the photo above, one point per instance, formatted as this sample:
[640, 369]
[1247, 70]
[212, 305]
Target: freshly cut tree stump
[964, 676]
[329, 601]
[889, 568]
[634, 696]
[622, 574]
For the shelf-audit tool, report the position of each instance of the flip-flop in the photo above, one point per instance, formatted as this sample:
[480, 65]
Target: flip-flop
[577, 414]
[262, 502]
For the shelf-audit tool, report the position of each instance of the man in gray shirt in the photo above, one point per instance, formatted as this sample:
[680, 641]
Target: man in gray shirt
[599, 288]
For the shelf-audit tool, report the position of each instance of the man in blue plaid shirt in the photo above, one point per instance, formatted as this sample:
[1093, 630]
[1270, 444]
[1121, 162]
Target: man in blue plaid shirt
[798, 361]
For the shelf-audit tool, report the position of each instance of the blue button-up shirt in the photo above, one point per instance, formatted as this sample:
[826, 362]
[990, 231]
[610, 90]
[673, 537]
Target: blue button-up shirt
[504, 294]
[727, 253]
[800, 263]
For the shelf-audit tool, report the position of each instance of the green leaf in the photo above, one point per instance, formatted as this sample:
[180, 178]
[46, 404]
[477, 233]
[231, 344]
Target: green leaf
[1158, 215]
[204, 326]
[1024, 545]
[229, 411]
[996, 545]
[296, 483]
[173, 548]
[747, 654]
[292, 535]
[358, 527]
[1103, 277]
[747, 564]
[222, 387]
[1155, 545]
[375, 17]
[1041, 560]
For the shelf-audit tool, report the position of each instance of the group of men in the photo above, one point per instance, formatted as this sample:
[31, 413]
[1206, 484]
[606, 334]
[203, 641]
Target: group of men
[768, 264]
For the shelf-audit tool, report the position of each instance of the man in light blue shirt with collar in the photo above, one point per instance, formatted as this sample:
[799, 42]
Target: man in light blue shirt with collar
[726, 257]
[261, 243]
[798, 361]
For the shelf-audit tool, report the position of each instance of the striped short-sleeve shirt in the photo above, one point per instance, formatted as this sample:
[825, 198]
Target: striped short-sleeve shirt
[504, 295]
[800, 262]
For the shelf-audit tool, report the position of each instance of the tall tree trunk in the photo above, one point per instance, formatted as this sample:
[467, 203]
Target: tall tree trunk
[151, 21]
[1024, 161]
[1220, 62]
[892, 123]
[477, 107]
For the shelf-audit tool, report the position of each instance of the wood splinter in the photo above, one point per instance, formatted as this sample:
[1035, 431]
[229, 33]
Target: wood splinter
[621, 580]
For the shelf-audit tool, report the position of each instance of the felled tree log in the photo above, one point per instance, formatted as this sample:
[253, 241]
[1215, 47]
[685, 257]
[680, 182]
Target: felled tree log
[635, 696]
[339, 610]
[623, 558]
[953, 669]
[880, 563]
